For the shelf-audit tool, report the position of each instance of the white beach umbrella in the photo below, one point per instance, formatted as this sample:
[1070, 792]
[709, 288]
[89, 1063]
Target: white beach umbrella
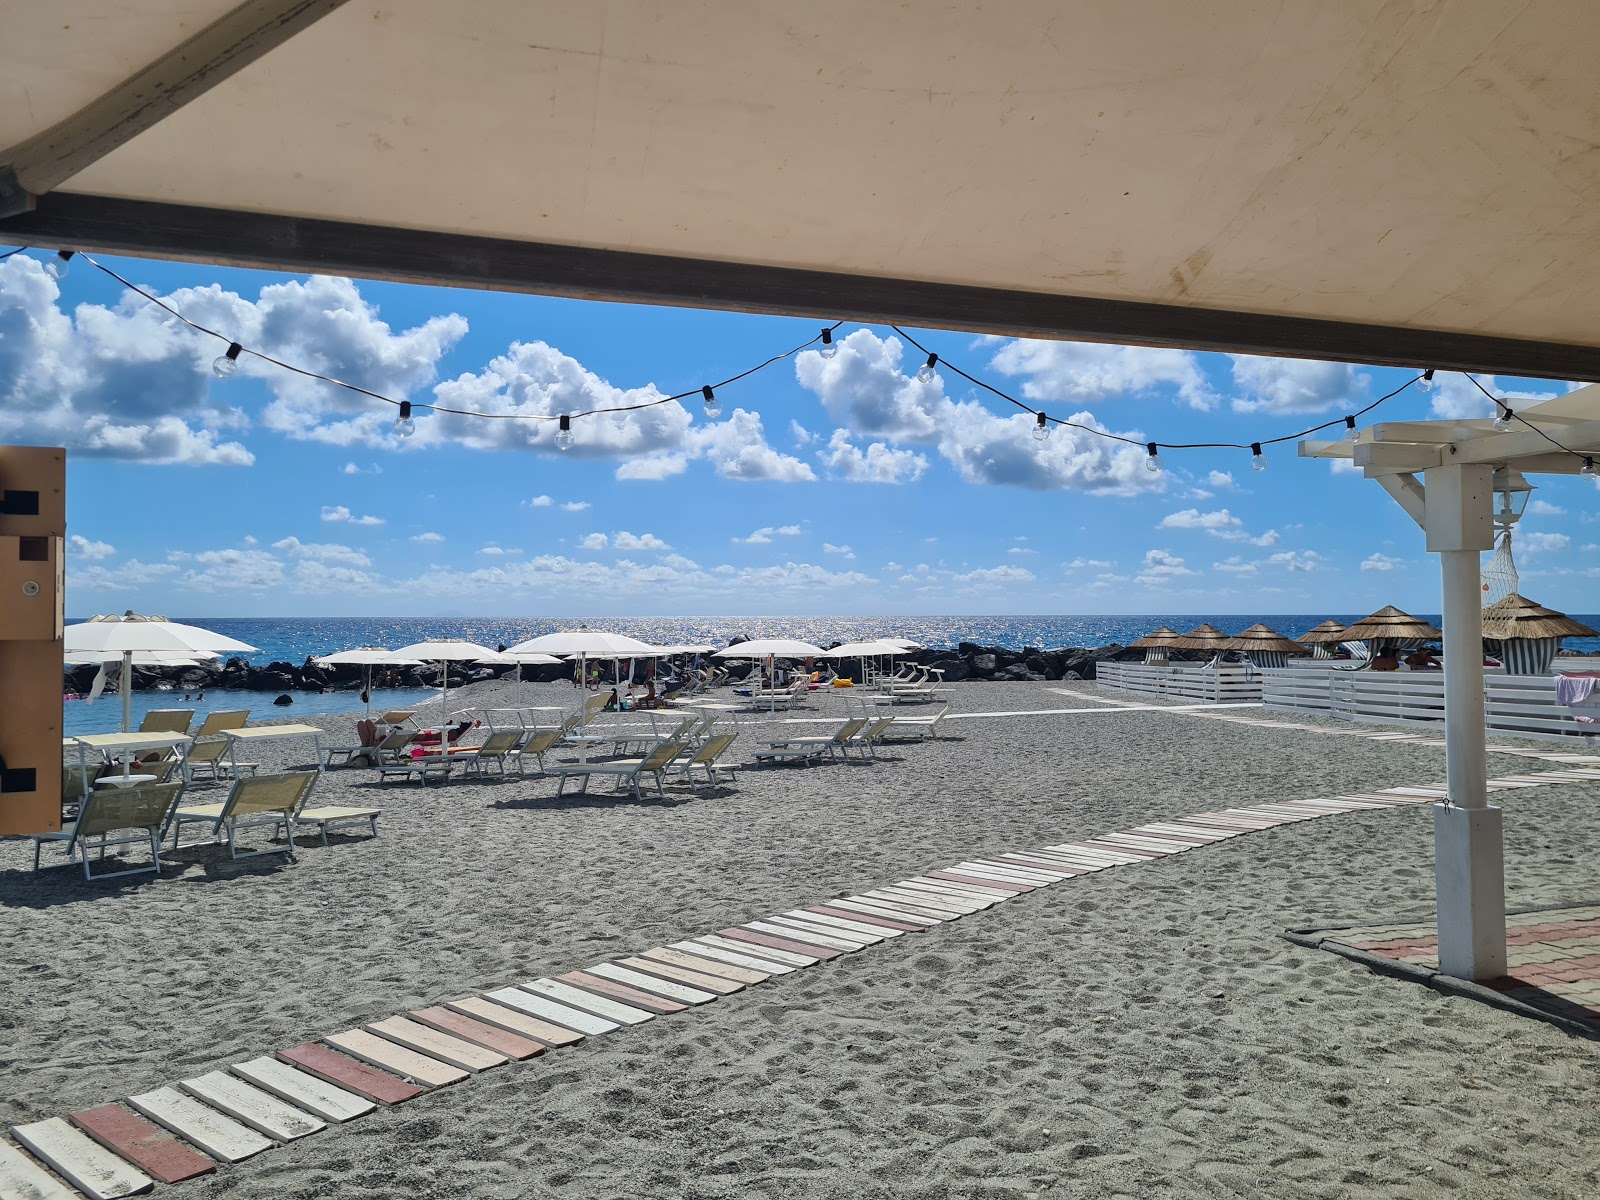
[130, 634]
[445, 651]
[586, 643]
[880, 648]
[368, 657]
[769, 649]
[532, 658]
[904, 643]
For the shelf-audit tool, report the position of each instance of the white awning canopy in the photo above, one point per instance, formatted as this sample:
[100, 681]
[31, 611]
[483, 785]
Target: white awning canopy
[1227, 176]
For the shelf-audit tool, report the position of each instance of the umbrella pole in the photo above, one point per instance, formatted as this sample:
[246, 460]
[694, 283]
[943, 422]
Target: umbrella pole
[125, 686]
[369, 691]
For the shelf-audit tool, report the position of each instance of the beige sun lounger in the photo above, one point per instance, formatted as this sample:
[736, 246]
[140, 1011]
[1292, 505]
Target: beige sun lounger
[808, 748]
[333, 815]
[709, 756]
[210, 749]
[167, 720]
[262, 800]
[539, 743]
[138, 814]
[626, 770]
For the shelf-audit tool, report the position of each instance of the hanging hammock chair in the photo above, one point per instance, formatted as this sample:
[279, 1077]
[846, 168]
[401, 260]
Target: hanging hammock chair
[1500, 576]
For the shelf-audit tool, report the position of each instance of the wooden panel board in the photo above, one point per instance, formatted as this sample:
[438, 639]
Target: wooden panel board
[149, 1147]
[481, 1008]
[826, 941]
[802, 920]
[1019, 858]
[1120, 855]
[349, 1074]
[983, 870]
[810, 930]
[260, 1110]
[939, 903]
[985, 897]
[983, 881]
[582, 998]
[643, 981]
[386, 1055]
[882, 909]
[23, 1179]
[700, 980]
[219, 1136]
[82, 1161]
[303, 1090]
[611, 989]
[772, 942]
[1043, 876]
[704, 965]
[885, 901]
[425, 1039]
[852, 913]
[480, 1033]
[547, 1009]
[879, 932]
[759, 953]
[721, 954]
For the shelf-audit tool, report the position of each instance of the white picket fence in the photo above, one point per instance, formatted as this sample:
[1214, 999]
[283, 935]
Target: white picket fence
[1523, 704]
[1217, 684]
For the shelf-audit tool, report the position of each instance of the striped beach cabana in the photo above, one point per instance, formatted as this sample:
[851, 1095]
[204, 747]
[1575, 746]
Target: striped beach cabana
[1391, 628]
[1265, 646]
[1529, 634]
[1205, 638]
[1155, 646]
[1330, 633]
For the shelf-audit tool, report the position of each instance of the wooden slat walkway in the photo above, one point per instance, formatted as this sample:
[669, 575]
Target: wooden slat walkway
[110, 1152]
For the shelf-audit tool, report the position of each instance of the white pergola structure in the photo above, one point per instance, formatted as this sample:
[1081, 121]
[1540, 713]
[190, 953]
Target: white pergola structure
[1443, 473]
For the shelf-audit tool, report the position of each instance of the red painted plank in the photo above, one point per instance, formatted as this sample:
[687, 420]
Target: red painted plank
[953, 877]
[149, 1147]
[601, 986]
[778, 943]
[851, 914]
[491, 1037]
[349, 1074]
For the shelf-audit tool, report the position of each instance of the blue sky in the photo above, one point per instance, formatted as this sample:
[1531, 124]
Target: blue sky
[825, 486]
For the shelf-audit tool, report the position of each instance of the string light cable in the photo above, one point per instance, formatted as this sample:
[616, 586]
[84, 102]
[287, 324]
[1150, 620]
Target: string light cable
[1043, 420]
[1505, 415]
[226, 364]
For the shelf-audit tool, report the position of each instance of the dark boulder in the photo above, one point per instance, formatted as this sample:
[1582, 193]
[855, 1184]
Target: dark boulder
[284, 700]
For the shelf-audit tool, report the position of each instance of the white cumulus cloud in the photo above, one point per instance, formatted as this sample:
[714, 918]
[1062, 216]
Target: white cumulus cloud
[339, 514]
[623, 540]
[1085, 372]
[81, 547]
[879, 463]
[1193, 518]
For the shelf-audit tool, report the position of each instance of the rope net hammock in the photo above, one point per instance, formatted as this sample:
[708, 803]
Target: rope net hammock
[1500, 576]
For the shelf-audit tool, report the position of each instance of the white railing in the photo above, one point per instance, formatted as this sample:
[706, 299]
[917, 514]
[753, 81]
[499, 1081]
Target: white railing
[1523, 704]
[1218, 684]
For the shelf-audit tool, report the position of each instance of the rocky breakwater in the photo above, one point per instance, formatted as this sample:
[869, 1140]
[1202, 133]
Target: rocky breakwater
[238, 674]
[972, 662]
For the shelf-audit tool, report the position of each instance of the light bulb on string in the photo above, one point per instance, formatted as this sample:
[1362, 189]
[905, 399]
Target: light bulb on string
[713, 407]
[224, 365]
[1351, 433]
[564, 433]
[1588, 469]
[1502, 420]
[58, 266]
[404, 426]
[1153, 461]
[829, 347]
[1041, 428]
[928, 372]
[1426, 382]
[1258, 460]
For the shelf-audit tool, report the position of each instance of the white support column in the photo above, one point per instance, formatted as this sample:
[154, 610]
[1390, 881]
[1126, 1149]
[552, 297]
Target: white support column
[1468, 848]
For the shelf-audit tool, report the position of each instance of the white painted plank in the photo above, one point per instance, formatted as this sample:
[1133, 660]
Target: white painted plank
[260, 1110]
[547, 1009]
[82, 1161]
[424, 1039]
[219, 1136]
[23, 1179]
[917, 910]
[773, 929]
[732, 958]
[988, 897]
[833, 922]
[735, 946]
[800, 919]
[304, 1090]
[382, 1053]
[801, 927]
[938, 901]
[574, 997]
[881, 909]
[1014, 872]
[681, 992]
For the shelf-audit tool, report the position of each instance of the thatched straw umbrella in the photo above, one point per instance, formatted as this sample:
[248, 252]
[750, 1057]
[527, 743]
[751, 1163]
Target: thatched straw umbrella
[1329, 633]
[1389, 627]
[1529, 634]
[1155, 646]
[1202, 637]
[1265, 646]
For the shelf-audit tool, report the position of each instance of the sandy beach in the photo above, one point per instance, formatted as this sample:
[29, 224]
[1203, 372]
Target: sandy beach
[1139, 1032]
